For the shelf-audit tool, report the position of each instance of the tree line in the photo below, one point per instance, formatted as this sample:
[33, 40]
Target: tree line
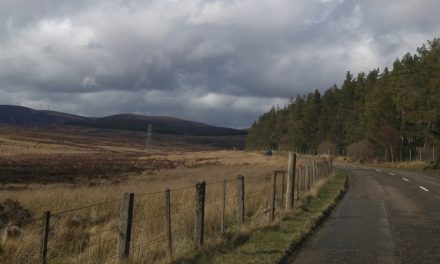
[376, 114]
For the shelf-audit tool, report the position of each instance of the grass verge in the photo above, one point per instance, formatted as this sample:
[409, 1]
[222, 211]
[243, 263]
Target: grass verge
[276, 243]
[416, 166]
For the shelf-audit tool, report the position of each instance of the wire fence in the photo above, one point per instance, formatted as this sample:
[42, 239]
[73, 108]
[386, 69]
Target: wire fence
[169, 224]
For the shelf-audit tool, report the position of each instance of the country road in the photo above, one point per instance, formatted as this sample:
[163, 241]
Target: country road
[387, 216]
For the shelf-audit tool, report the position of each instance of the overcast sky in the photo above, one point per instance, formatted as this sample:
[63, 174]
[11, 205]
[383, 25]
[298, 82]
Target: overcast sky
[221, 62]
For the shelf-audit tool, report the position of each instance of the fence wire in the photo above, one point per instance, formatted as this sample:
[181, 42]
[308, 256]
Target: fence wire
[91, 233]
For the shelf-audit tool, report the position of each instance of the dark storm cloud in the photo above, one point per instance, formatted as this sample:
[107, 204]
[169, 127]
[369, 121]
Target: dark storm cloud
[221, 62]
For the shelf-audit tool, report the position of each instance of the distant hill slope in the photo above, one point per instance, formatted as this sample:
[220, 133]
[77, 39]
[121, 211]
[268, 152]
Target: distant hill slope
[23, 116]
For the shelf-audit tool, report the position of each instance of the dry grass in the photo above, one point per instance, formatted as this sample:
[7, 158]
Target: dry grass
[89, 235]
[414, 165]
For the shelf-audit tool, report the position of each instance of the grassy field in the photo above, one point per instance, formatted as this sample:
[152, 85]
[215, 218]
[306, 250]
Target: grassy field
[80, 176]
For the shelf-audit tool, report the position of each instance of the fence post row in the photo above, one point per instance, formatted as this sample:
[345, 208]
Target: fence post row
[240, 200]
[299, 181]
[125, 223]
[290, 181]
[45, 237]
[200, 214]
[272, 197]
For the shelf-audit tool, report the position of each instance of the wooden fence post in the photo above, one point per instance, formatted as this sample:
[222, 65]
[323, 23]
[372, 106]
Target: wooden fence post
[240, 200]
[306, 178]
[272, 197]
[318, 170]
[223, 210]
[45, 237]
[303, 168]
[125, 222]
[290, 181]
[309, 177]
[283, 187]
[200, 214]
[168, 222]
[296, 190]
[327, 168]
[331, 166]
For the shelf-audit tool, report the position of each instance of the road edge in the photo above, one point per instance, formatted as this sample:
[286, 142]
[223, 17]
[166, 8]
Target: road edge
[291, 253]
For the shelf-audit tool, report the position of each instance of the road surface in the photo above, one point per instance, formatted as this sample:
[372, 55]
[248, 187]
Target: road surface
[387, 216]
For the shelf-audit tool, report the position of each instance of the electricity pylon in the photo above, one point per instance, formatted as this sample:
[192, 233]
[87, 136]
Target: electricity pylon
[148, 141]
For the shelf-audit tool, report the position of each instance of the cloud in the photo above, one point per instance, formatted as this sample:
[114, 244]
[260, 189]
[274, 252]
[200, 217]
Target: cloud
[218, 61]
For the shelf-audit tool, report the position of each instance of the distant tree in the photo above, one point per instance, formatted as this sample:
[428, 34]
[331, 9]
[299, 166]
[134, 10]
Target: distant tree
[384, 112]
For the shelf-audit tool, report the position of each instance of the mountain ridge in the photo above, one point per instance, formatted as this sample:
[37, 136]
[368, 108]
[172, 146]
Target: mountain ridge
[14, 115]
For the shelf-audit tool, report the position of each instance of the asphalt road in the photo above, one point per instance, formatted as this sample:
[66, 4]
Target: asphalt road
[387, 216]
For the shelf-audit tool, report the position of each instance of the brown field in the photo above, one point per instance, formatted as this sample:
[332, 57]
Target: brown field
[63, 170]
[79, 155]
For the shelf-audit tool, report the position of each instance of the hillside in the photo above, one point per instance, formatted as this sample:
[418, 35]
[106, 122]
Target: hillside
[22, 116]
[27, 117]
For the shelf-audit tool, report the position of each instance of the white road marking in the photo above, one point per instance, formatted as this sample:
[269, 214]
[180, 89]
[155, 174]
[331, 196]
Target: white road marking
[378, 170]
[405, 179]
[423, 188]
[391, 173]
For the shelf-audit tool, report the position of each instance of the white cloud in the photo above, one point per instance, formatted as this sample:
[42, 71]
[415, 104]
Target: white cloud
[195, 58]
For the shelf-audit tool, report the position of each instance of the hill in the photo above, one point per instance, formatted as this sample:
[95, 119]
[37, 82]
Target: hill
[22, 116]
[26, 117]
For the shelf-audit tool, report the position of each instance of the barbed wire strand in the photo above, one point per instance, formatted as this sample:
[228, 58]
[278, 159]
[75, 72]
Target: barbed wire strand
[85, 207]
